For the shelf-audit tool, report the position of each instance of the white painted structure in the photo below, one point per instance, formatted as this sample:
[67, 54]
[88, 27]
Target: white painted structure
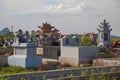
[25, 56]
[75, 55]
[104, 35]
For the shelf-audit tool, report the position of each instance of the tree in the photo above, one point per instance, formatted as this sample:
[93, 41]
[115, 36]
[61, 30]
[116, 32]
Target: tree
[9, 35]
[86, 41]
[33, 33]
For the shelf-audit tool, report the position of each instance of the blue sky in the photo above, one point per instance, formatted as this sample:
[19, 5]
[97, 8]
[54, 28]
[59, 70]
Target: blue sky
[69, 16]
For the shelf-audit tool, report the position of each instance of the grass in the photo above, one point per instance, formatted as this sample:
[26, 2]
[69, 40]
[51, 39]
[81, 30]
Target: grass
[91, 74]
[13, 70]
[106, 54]
[5, 69]
[115, 39]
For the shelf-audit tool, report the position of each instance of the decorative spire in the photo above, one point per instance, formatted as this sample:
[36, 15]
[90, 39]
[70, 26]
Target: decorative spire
[104, 26]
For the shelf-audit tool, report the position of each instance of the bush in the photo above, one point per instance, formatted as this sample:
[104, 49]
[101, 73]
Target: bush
[86, 41]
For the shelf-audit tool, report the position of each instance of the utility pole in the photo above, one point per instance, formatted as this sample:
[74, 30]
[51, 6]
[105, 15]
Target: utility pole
[12, 29]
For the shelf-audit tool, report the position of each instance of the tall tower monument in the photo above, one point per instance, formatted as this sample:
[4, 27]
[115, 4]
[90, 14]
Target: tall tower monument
[104, 34]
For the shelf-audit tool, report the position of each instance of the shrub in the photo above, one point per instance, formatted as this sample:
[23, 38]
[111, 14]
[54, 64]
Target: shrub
[106, 54]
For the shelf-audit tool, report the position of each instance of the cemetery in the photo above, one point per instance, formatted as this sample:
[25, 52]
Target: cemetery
[47, 49]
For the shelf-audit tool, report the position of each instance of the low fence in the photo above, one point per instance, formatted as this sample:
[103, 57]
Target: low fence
[102, 76]
[54, 74]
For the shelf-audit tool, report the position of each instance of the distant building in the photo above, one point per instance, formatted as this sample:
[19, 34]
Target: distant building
[93, 36]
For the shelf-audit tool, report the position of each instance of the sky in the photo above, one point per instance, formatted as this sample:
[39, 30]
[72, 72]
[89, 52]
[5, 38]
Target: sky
[69, 16]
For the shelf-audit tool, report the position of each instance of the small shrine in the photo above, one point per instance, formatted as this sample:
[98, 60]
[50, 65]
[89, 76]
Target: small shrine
[104, 34]
[45, 28]
[24, 52]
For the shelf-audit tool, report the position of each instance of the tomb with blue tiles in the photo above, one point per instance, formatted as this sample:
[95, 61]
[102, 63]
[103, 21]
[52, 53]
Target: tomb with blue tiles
[25, 55]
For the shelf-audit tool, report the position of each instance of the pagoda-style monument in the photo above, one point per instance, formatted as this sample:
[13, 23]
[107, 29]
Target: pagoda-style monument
[48, 35]
[104, 34]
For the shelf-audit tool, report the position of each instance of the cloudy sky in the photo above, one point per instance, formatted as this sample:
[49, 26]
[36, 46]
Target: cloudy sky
[69, 16]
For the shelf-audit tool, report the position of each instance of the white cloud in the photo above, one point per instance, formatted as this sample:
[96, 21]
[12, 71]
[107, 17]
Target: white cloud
[26, 7]
[64, 9]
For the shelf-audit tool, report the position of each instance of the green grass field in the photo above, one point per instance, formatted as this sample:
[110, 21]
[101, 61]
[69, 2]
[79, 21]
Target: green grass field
[13, 70]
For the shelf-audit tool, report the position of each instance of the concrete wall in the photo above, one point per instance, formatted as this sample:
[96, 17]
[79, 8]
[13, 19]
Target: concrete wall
[4, 53]
[51, 52]
[69, 55]
[69, 51]
[7, 51]
[27, 49]
[87, 54]
[25, 56]
[59, 73]
[77, 55]
[3, 60]
[25, 61]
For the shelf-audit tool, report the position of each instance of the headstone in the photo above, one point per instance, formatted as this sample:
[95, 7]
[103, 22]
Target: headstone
[66, 41]
[25, 56]
[27, 36]
[40, 40]
[104, 35]
[76, 41]
[70, 41]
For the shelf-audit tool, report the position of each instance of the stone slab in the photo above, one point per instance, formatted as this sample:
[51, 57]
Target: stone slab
[68, 60]
[106, 62]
